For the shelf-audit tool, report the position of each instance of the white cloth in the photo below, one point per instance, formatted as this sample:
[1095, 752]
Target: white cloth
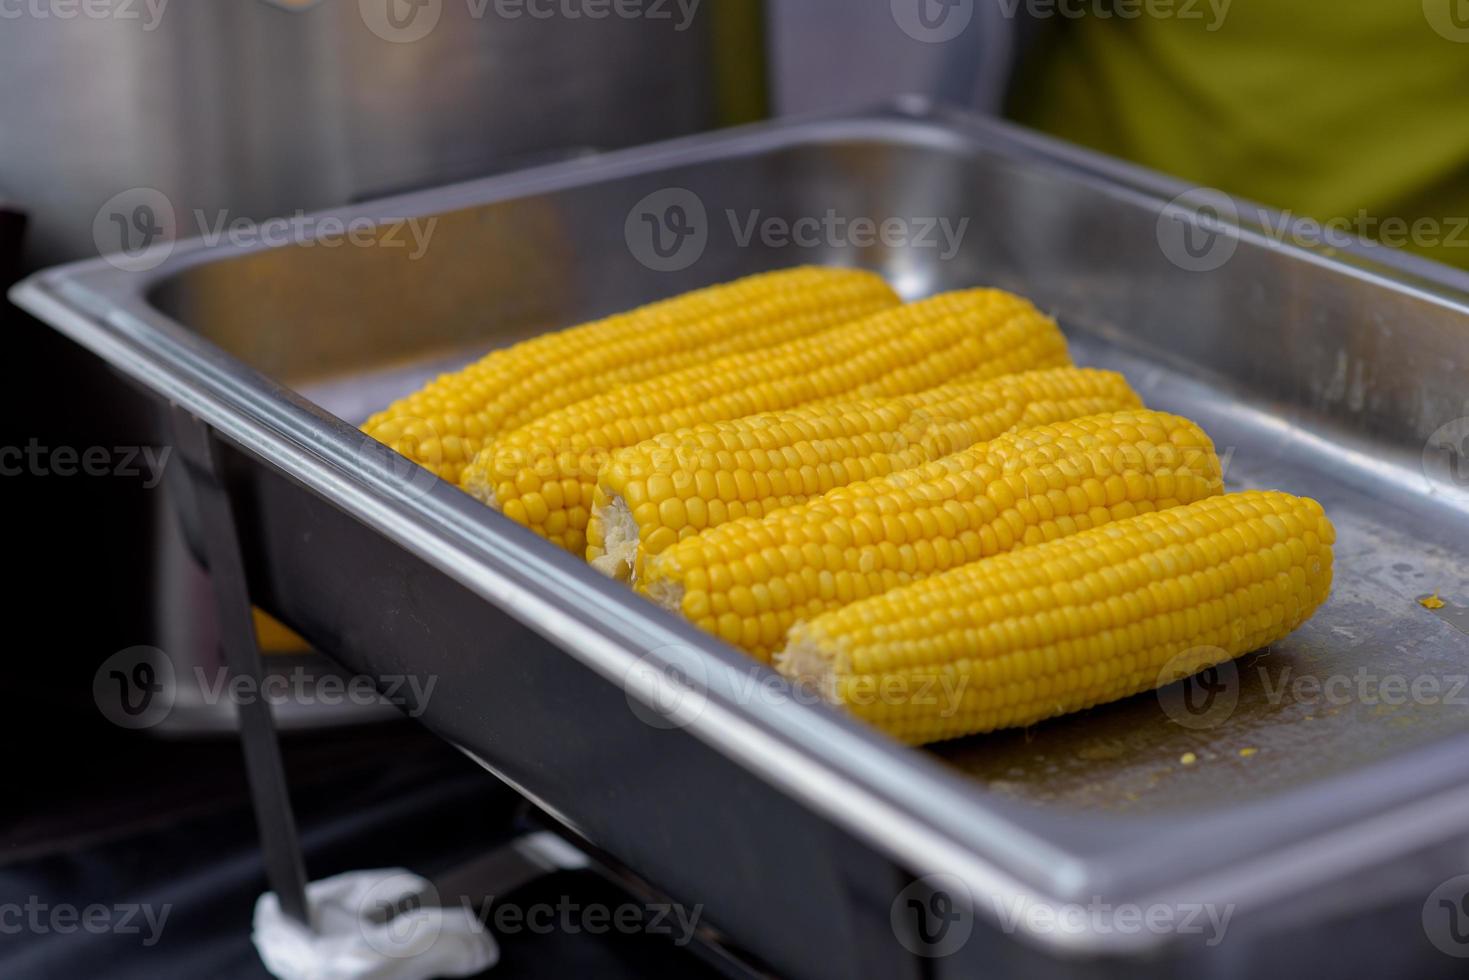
[421, 942]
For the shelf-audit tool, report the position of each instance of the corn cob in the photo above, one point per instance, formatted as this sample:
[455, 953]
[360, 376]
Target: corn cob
[545, 474]
[678, 484]
[749, 580]
[1088, 619]
[443, 425]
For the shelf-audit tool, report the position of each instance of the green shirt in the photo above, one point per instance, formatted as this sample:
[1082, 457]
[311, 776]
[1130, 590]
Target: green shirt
[1321, 107]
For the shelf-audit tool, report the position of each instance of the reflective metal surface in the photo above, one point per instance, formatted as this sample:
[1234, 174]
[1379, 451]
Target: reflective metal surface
[1331, 375]
[955, 53]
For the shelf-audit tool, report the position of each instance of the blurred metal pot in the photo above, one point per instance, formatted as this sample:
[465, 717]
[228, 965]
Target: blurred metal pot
[250, 109]
[257, 108]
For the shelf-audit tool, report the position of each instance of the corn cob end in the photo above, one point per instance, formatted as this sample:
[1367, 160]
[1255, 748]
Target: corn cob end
[612, 535]
[812, 665]
[477, 482]
[666, 593]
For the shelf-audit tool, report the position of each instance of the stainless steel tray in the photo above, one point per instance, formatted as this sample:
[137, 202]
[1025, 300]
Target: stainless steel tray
[797, 829]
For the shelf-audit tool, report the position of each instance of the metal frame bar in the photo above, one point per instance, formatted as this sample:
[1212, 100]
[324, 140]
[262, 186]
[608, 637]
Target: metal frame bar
[280, 843]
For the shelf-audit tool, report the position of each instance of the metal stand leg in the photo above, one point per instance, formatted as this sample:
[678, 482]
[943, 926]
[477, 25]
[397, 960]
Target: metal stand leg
[284, 866]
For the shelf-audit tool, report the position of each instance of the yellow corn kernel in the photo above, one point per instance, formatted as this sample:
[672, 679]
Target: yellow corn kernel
[273, 636]
[759, 461]
[443, 425]
[1087, 619]
[867, 538]
[975, 333]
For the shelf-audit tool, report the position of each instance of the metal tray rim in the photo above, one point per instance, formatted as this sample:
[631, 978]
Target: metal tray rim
[812, 754]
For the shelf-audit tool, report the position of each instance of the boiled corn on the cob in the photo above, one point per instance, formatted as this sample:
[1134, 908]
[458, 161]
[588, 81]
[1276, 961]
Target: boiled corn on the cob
[678, 484]
[544, 474]
[1087, 619]
[443, 425]
[749, 580]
